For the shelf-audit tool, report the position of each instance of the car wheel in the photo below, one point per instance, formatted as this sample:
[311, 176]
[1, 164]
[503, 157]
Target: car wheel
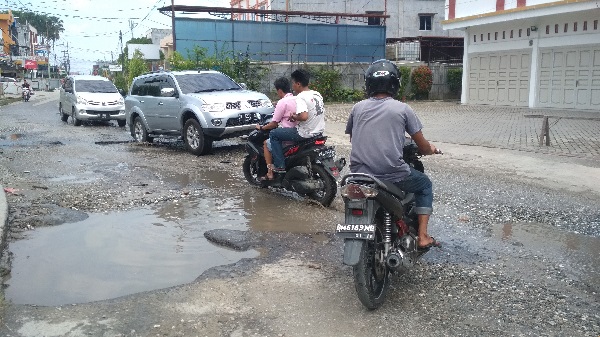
[121, 123]
[76, 122]
[63, 116]
[195, 140]
[139, 132]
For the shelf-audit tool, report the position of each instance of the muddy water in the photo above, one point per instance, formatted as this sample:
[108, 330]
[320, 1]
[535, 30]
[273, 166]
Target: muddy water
[567, 250]
[115, 254]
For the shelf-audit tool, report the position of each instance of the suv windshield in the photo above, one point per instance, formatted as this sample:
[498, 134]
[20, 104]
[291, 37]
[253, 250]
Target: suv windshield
[94, 86]
[194, 83]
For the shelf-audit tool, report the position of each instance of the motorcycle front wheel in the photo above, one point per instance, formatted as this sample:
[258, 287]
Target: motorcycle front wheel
[371, 275]
[252, 171]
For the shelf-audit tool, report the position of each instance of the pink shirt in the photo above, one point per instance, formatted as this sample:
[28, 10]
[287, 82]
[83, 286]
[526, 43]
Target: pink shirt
[284, 109]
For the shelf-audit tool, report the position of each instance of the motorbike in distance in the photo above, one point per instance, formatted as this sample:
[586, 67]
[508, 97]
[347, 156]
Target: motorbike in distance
[380, 230]
[311, 168]
[26, 94]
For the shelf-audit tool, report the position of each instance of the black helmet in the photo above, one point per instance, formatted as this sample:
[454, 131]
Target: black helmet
[382, 76]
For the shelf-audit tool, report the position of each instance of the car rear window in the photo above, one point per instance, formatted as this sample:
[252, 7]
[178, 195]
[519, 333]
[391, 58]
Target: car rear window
[95, 86]
[207, 82]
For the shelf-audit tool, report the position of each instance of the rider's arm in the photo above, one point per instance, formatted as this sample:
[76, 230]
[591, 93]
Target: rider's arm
[425, 147]
[301, 117]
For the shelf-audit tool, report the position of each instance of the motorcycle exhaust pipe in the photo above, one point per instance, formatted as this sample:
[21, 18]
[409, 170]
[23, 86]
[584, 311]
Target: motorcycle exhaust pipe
[394, 259]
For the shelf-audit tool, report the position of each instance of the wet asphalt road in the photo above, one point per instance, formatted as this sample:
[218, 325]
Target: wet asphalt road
[518, 259]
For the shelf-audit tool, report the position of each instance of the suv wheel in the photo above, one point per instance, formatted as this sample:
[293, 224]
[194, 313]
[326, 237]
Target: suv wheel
[76, 122]
[139, 132]
[63, 116]
[195, 140]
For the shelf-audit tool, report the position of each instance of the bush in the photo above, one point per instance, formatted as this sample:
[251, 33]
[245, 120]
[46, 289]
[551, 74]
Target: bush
[326, 81]
[454, 79]
[404, 81]
[422, 80]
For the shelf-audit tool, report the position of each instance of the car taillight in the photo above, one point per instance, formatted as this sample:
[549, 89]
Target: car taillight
[320, 142]
[355, 191]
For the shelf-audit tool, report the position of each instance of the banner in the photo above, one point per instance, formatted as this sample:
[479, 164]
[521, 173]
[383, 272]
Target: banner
[30, 64]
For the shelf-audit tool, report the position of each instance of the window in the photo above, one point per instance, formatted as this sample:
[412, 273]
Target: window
[371, 21]
[425, 21]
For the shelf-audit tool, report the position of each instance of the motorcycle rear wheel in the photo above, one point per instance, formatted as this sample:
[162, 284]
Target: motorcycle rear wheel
[371, 275]
[326, 195]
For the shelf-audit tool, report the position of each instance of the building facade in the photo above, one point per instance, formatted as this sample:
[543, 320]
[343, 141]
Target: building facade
[408, 18]
[156, 35]
[531, 53]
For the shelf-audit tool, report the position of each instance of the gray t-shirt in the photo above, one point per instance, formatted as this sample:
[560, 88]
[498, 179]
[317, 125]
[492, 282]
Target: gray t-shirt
[377, 127]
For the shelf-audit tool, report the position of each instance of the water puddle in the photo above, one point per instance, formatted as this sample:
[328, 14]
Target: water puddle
[159, 246]
[116, 254]
[576, 252]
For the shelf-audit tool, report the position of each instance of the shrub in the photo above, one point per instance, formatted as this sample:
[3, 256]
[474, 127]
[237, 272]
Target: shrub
[326, 81]
[454, 79]
[422, 80]
[404, 81]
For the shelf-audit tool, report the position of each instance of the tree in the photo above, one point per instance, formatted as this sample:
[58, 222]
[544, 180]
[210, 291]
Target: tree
[137, 66]
[47, 26]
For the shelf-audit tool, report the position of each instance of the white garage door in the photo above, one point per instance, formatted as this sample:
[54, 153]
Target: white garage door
[570, 78]
[500, 78]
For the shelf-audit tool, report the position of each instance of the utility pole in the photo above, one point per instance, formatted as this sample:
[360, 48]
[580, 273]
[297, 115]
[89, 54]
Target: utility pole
[173, 24]
[131, 26]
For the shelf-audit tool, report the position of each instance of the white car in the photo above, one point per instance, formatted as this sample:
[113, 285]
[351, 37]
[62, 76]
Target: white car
[91, 98]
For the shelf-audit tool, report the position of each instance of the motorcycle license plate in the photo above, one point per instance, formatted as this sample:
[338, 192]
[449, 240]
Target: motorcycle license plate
[329, 153]
[347, 231]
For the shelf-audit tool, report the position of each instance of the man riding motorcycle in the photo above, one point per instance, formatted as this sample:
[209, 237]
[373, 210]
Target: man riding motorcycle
[377, 127]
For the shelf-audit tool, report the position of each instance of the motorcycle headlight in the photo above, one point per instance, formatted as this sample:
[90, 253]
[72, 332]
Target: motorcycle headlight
[214, 107]
[355, 191]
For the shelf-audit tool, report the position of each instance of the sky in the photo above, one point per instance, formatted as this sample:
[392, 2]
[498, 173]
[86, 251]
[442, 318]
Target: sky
[92, 26]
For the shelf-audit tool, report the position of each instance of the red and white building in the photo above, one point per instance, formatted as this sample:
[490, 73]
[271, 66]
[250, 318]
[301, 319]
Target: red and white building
[532, 53]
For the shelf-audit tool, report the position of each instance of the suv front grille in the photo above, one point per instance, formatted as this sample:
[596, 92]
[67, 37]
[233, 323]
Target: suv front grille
[103, 103]
[238, 121]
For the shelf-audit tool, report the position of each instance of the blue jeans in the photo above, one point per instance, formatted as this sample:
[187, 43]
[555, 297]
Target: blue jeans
[419, 184]
[276, 137]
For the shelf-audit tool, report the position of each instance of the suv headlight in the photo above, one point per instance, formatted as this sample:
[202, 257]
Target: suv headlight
[121, 100]
[215, 107]
[81, 100]
[265, 103]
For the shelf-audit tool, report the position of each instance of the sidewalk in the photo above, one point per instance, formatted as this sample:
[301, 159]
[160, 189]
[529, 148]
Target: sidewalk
[502, 127]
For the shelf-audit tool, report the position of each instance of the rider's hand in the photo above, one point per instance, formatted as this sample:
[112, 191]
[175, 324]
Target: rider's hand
[257, 126]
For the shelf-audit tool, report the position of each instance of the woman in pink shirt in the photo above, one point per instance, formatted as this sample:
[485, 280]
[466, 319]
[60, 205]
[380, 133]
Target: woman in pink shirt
[283, 110]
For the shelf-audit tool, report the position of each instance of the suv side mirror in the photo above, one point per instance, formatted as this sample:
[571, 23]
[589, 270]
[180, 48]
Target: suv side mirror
[122, 92]
[167, 92]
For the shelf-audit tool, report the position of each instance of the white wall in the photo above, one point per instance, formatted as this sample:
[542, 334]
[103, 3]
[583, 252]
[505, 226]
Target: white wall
[465, 8]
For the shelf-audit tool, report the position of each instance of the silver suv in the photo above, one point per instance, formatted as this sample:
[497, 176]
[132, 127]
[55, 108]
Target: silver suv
[199, 106]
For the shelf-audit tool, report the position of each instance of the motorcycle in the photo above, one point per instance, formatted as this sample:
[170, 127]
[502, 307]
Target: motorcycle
[380, 231]
[310, 167]
[26, 94]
